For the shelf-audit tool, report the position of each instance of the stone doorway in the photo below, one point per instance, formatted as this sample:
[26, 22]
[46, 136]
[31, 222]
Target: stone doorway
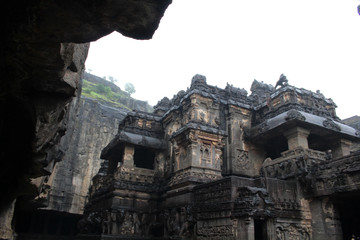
[260, 229]
[349, 212]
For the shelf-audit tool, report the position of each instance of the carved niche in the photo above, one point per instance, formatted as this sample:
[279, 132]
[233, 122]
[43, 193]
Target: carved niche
[205, 152]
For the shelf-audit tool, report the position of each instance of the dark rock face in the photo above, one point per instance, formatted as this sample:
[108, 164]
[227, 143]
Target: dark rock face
[43, 50]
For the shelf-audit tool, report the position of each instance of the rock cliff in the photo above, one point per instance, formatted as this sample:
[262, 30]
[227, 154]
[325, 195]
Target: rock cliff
[91, 127]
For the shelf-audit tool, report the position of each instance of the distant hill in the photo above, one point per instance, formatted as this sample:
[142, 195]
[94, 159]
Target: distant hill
[353, 121]
[108, 93]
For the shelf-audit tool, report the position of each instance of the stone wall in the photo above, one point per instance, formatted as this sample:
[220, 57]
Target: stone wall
[91, 127]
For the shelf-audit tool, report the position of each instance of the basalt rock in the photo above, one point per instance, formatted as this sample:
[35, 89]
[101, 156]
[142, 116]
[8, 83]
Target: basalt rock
[44, 45]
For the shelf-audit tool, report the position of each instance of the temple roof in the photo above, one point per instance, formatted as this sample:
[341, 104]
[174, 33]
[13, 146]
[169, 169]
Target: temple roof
[317, 124]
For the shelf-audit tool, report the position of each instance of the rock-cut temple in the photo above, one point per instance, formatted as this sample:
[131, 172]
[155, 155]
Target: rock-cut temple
[216, 163]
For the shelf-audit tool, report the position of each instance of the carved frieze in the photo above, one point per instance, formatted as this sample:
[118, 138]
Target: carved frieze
[194, 174]
[334, 176]
[293, 163]
[292, 232]
[215, 232]
[135, 174]
[253, 201]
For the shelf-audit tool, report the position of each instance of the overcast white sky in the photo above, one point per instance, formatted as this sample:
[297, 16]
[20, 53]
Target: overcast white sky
[315, 43]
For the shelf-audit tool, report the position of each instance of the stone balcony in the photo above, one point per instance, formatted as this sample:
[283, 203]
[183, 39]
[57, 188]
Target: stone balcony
[292, 163]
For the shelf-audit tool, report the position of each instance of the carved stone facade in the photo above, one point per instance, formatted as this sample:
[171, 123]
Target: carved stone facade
[216, 163]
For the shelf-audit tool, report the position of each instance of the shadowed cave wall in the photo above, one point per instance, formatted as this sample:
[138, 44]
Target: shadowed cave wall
[43, 49]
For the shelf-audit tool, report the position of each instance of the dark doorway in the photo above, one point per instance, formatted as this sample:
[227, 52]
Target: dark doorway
[349, 211]
[275, 146]
[260, 229]
[144, 158]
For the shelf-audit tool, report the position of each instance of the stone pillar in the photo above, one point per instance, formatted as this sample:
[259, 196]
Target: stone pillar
[297, 137]
[341, 148]
[270, 229]
[246, 229]
[325, 220]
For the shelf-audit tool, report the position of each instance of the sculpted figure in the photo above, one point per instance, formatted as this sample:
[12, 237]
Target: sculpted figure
[280, 234]
[174, 223]
[113, 220]
[282, 82]
[137, 228]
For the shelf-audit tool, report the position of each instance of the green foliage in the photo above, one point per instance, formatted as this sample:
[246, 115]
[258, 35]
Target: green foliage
[103, 93]
[104, 89]
[129, 88]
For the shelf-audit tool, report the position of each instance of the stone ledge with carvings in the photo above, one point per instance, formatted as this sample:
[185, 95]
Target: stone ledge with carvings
[292, 163]
[135, 174]
[195, 174]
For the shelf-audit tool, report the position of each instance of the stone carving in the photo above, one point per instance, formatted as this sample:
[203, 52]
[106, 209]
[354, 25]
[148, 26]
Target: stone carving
[295, 233]
[252, 202]
[282, 82]
[263, 127]
[329, 123]
[218, 159]
[242, 161]
[205, 151]
[294, 114]
[186, 174]
[280, 233]
[293, 163]
[292, 232]
[215, 232]
[236, 93]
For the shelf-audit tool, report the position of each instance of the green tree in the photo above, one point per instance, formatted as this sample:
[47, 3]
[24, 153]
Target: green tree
[129, 88]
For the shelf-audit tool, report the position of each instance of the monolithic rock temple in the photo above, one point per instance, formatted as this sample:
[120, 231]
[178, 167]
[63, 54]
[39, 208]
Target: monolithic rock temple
[210, 163]
[215, 163]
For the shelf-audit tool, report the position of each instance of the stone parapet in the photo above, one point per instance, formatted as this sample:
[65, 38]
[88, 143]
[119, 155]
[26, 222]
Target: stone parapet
[292, 163]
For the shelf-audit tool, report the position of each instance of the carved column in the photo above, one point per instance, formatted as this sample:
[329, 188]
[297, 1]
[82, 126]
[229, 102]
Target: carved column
[297, 137]
[341, 148]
